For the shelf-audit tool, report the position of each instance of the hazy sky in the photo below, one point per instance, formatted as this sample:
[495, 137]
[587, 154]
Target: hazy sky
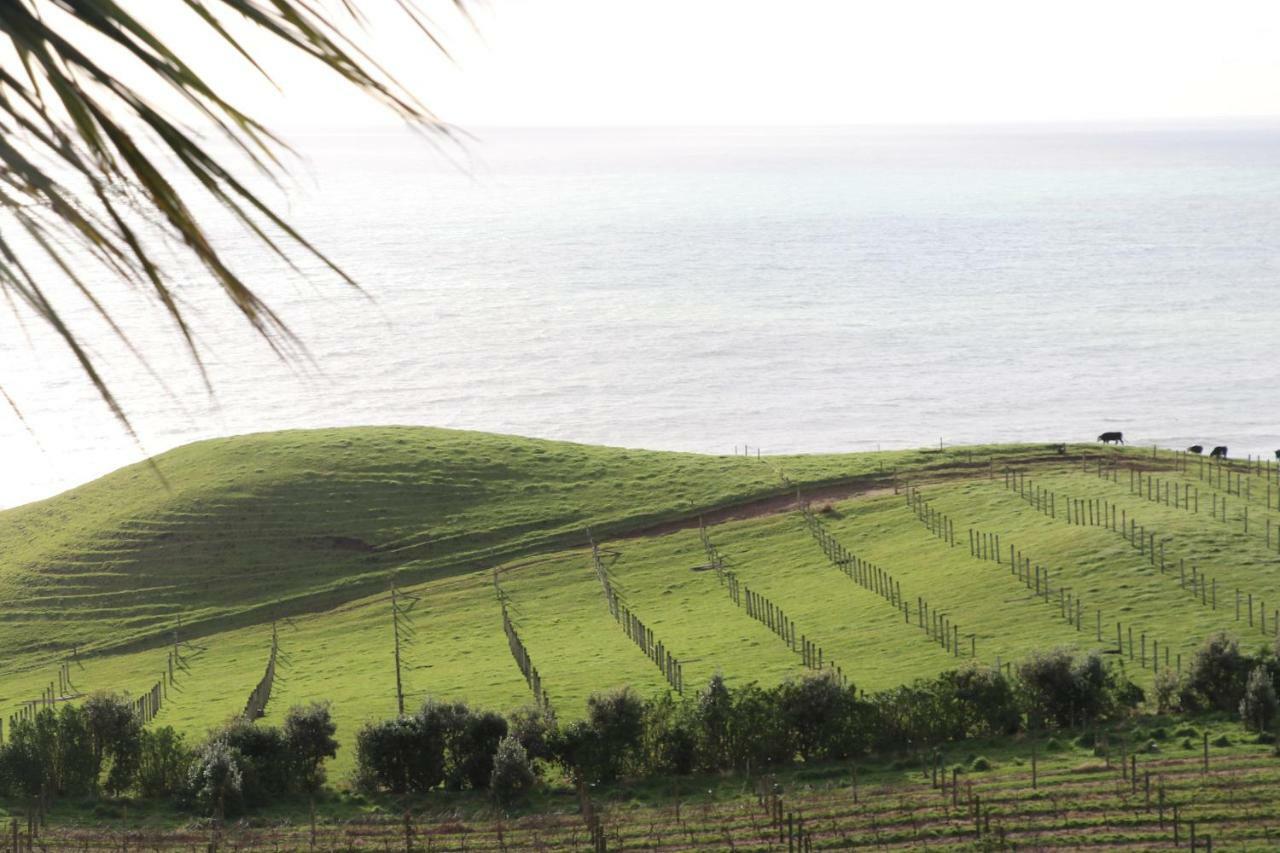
[587, 62]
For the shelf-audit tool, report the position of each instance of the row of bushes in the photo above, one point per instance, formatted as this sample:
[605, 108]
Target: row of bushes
[805, 719]
[101, 746]
[749, 727]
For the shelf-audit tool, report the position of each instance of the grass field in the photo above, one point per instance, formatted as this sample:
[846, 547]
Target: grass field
[308, 529]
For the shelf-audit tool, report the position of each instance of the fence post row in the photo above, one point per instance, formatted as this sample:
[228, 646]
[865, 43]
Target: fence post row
[936, 625]
[636, 631]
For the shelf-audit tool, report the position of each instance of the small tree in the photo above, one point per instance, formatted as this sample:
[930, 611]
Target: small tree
[617, 718]
[164, 763]
[1168, 687]
[264, 759]
[116, 733]
[1259, 704]
[472, 750]
[74, 767]
[714, 716]
[512, 776]
[1216, 677]
[670, 736]
[819, 714]
[399, 756]
[533, 727]
[216, 782]
[309, 736]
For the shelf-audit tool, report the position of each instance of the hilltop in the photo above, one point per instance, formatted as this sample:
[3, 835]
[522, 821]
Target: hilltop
[300, 533]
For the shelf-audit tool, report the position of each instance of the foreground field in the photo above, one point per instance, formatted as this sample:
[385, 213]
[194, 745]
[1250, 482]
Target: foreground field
[1142, 787]
[1137, 553]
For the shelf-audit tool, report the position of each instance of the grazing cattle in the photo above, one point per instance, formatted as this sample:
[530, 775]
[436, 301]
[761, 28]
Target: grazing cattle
[1219, 452]
[1112, 438]
[1196, 448]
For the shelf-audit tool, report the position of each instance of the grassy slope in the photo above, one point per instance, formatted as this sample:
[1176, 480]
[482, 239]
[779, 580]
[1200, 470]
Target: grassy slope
[250, 515]
[283, 522]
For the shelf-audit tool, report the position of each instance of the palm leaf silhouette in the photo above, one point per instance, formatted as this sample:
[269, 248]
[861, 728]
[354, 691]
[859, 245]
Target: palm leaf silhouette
[90, 167]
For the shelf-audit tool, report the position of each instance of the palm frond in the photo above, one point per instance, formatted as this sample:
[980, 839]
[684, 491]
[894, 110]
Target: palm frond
[91, 168]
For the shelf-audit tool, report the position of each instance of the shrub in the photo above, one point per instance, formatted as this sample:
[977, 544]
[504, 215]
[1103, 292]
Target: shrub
[1258, 706]
[1221, 740]
[670, 736]
[164, 763]
[74, 768]
[308, 735]
[981, 700]
[512, 776]
[980, 764]
[263, 757]
[1216, 677]
[472, 749]
[713, 714]
[399, 756]
[441, 725]
[532, 726]
[617, 718]
[1053, 745]
[27, 756]
[1168, 689]
[1062, 690]
[758, 737]
[820, 716]
[216, 781]
[116, 735]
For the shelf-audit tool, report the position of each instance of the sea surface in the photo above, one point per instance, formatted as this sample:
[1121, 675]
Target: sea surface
[791, 290]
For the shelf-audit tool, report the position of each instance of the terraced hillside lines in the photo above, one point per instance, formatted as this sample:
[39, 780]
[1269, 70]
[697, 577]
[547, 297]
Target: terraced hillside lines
[564, 626]
[1097, 565]
[314, 518]
[667, 579]
[872, 641]
[936, 624]
[1008, 620]
[1216, 568]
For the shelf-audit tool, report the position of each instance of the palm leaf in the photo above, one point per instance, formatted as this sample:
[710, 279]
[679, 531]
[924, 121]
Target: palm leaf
[89, 167]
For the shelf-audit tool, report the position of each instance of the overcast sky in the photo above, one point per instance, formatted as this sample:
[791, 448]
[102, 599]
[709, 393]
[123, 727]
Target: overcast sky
[611, 62]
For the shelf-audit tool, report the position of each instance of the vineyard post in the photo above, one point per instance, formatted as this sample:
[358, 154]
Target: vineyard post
[395, 626]
[1206, 753]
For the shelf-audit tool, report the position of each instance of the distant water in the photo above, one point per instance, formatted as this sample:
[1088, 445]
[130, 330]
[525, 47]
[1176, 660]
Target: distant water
[817, 290]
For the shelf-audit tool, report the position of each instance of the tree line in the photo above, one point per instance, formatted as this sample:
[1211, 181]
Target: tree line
[102, 747]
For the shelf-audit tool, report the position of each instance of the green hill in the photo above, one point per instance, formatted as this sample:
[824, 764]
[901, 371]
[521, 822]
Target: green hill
[307, 529]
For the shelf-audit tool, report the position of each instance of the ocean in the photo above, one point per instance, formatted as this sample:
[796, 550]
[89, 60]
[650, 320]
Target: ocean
[793, 290]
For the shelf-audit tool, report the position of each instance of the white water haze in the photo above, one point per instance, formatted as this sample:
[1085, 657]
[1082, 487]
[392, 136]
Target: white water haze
[797, 290]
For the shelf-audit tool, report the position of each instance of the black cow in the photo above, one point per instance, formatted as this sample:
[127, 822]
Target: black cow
[1219, 452]
[1112, 438]
[1061, 450]
[1196, 448]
